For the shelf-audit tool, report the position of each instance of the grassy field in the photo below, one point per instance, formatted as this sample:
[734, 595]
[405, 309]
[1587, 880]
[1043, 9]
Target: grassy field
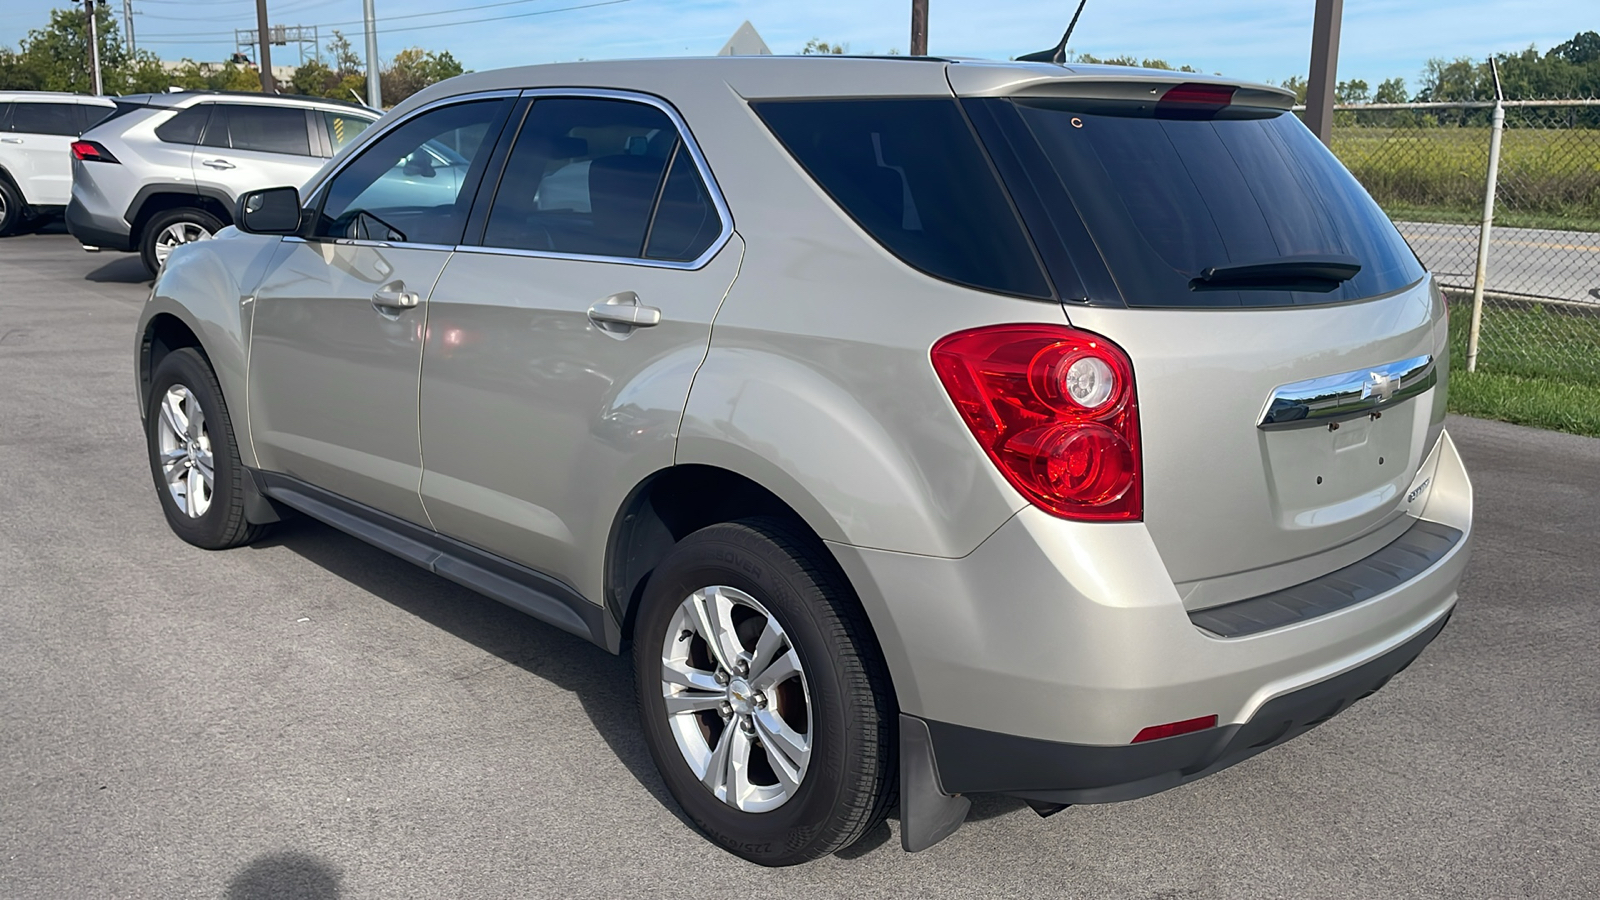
[1537, 366]
[1549, 177]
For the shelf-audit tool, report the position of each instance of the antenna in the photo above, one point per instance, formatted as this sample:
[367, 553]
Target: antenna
[1058, 53]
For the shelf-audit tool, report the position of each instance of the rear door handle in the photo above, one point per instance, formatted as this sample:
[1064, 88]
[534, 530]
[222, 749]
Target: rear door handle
[395, 298]
[622, 313]
[10, 140]
[218, 164]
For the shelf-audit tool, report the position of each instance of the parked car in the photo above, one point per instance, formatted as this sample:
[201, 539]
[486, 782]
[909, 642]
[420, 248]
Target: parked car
[925, 427]
[36, 129]
[167, 169]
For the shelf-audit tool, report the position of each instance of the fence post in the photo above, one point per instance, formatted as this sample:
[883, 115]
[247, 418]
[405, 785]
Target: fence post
[1496, 126]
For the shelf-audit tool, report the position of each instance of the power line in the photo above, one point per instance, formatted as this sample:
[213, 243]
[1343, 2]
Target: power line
[381, 29]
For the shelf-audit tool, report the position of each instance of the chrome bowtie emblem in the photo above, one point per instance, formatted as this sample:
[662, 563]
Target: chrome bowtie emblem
[1378, 385]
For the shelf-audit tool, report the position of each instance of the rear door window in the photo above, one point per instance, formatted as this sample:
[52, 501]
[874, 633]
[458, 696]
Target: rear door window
[92, 115]
[46, 118]
[265, 129]
[1165, 196]
[912, 174]
[343, 128]
[584, 177]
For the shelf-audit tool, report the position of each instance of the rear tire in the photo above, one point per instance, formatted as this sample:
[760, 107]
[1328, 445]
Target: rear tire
[194, 458]
[172, 228]
[806, 715]
[13, 211]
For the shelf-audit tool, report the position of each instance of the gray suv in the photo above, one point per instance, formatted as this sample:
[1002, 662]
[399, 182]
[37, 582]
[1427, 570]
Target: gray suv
[924, 427]
[167, 169]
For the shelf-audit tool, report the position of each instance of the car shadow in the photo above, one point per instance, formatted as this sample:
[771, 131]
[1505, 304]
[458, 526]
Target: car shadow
[603, 683]
[121, 269]
[285, 876]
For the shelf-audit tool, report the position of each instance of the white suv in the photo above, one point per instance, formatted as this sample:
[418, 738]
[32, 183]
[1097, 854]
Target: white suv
[36, 130]
[168, 168]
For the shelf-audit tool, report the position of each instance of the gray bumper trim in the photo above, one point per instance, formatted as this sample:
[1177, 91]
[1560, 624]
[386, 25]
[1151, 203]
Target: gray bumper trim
[1409, 555]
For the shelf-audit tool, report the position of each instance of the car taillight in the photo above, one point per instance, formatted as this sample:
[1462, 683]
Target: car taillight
[89, 151]
[1055, 409]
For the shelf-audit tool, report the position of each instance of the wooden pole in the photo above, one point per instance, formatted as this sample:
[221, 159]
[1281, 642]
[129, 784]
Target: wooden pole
[1324, 68]
[919, 27]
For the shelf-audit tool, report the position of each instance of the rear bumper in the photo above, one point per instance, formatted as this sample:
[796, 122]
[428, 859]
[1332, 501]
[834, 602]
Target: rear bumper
[970, 760]
[96, 231]
[1037, 658]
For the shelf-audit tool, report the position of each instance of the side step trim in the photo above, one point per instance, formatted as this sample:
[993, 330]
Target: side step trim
[1407, 556]
[517, 586]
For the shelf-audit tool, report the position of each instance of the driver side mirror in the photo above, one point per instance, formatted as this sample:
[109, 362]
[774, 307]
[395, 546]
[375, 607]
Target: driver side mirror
[271, 211]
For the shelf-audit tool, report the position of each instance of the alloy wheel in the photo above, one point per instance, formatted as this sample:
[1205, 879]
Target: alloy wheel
[176, 235]
[185, 445]
[736, 699]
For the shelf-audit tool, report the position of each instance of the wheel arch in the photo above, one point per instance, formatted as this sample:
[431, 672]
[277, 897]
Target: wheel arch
[158, 198]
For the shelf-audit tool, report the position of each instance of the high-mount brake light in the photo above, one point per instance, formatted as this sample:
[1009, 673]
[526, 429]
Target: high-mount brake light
[1055, 409]
[89, 151]
[1195, 94]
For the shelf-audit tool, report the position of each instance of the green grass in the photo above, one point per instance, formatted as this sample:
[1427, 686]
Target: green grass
[1537, 365]
[1549, 177]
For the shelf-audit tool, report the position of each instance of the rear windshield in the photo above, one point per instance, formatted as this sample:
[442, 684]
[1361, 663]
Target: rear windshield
[1161, 198]
[912, 174]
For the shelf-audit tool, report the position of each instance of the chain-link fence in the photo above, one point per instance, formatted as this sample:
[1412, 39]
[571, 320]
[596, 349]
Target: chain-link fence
[1427, 164]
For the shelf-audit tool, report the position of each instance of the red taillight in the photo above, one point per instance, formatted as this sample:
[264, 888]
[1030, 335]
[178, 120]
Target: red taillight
[1056, 410]
[1192, 94]
[89, 151]
[1173, 729]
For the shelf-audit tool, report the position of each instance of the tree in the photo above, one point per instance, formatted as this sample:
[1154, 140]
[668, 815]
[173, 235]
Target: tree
[413, 69]
[56, 58]
[1392, 90]
[347, 79]
[1352, 91]
[1583, 49]
[1297, 85]
[1126, 60]
[818, 46]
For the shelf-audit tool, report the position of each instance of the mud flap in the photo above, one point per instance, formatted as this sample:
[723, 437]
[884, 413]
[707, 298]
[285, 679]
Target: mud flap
[927, 814]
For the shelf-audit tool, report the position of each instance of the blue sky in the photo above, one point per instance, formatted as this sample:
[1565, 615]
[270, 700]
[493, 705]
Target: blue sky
[1252, 39]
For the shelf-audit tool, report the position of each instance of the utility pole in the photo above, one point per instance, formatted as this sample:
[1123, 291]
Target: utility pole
[374, 88]
[127, 26]
[919, 27]
[94, 46]
[264, 55]
[1324, 68]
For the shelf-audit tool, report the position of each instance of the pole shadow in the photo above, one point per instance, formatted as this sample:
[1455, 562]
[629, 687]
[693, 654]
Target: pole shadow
[290, 875]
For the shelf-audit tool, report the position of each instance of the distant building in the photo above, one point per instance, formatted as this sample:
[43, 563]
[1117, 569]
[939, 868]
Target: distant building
[745, 42]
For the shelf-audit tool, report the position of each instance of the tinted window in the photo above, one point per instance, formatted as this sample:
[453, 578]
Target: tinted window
[1168, 197]
[911, 173]
[343, 128]
[186, 126]
[412, 184]
[46, 118]
[582, 178]
[685, 222]
[266, 129]
[92, 115]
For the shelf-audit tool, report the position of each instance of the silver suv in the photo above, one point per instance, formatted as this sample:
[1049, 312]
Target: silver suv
[37, 129]
[167, 169]
[925, 427]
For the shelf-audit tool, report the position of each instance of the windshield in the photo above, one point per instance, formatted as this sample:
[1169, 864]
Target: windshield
[1163, 198]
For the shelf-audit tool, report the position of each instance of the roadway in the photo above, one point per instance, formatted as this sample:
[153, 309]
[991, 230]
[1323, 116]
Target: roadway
[309, 718]
[1539, 262]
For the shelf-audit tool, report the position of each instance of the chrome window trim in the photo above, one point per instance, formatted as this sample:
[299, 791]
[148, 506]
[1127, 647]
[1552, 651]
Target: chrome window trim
[1317, 401]
[724, 215]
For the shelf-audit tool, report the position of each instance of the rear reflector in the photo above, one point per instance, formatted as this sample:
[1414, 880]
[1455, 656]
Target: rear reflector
[89, 151]
[1173, 729]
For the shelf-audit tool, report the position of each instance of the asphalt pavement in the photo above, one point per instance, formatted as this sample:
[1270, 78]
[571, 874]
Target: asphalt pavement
[1535, 262]
[310, 718]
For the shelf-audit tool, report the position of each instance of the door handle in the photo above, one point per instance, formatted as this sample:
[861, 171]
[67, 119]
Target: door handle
[395, 298]
[218, 164]
[10, 140]
[623, 312]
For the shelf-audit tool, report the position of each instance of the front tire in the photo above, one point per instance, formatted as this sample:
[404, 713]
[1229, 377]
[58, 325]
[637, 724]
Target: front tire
[13, 211]
[166, 231]
[763, 695]
[194, 458]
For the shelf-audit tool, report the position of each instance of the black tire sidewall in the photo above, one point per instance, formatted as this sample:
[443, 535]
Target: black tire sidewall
[159, 221]
[799, 830]
[213, 529]
[16, 214]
